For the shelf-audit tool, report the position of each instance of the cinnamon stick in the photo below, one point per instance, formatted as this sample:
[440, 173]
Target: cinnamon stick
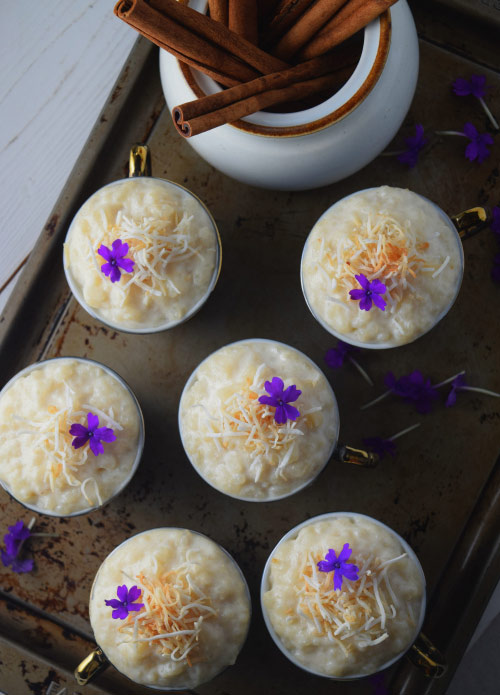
[286, 14]
[355, 15]
[229, 105]
[198, 40]
[313, 19]
[219, 11]
[243, 19]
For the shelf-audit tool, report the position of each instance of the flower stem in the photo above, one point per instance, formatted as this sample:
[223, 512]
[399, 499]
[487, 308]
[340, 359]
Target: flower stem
[479, 390]
[492, 118]
[450, 132]
[447, 381]
[360, 369]
[405, 431]
[392, 153]
[375, 400]
[29, 526]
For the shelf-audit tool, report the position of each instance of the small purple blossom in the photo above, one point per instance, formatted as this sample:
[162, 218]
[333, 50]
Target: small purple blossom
[13, 540]
[115, 260]
[477, 149]
[280, 400]
[380, 446]
[476, 86]
[125, 602]
[370, 293]
[339, 566]
[495, 220]
[413, 387]
[93, 434]
[335, 357]
[413, 146]
[457, 383]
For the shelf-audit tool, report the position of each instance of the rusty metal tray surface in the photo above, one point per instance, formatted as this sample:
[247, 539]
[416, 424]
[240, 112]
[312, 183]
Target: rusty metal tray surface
[441, 492]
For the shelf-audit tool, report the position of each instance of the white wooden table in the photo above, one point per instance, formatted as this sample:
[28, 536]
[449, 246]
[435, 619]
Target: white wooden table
[60, 59]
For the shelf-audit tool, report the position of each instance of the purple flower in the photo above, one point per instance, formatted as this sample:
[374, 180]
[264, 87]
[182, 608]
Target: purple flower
[91, 434]
[280, 400]
[13, 540]
[369, 293]
[413, 145]
[115, 260]
[413, 387]
[339, 566]
[457, 383]
[380, 446]
[335, 357]
[125, 602]
[495, 220]
[475, 86]
[477, 147]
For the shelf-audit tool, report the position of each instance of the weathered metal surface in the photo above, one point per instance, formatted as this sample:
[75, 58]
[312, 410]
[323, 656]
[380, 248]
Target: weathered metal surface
[426, 494]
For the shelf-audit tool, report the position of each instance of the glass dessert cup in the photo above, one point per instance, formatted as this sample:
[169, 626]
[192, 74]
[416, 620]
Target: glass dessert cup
[60, 481]
[391, 236]
[374, 551]
[234, 440]
[222, 628]
[315, 146]
[168, 235]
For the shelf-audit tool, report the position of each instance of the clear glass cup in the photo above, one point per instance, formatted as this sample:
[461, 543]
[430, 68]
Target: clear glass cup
[237, 466]
[222, 635]
[428, 290]
[152, 302]
[299, 637]
[110, 476]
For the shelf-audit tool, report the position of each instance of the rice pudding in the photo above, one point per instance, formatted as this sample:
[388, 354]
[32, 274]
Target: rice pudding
[164, 247]
[389, 235]
[191, 591]
[40, 462]
[350, 622]
[234, 439]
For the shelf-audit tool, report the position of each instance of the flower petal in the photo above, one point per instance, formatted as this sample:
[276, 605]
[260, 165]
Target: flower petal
[106, 253]
[93, 421]
[96, 446]
[115, 274]
[337, 579]
[350, 571]
[366, 303]
[133, 593]
[122, 593]
[291, 394]
[291, 412]
[345, 553]
[280, 414]
[126, 264]
[119, 248]
[268, 400]
[363, 281]
[325, 566]
[105, 434]
[113, 602]
[378, 287]
[379, 302]
[80, 441]
[135, 606]
[120, 613]
[357, 294]
[462, 87]
[21, 566]
[275, 387]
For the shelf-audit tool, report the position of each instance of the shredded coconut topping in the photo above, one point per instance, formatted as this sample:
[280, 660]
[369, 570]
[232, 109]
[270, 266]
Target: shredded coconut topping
[173, 614]
[50, 433]
[363, 608]
[380, 248]
[252, 424]
[154, 245]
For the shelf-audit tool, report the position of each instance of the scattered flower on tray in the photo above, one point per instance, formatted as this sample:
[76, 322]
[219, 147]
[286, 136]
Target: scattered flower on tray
[384, 447]
[369, 293]
[335, 358]
[413, 146]
[125, 602]
[339, 566]
[413, 387]
[116, 261]
[475, 87]
[281, 399]
[92, 433]
[14, 540]
[458, 383]
[477, 149]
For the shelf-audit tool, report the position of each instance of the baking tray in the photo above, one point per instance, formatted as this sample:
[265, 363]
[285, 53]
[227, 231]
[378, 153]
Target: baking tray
[441, 492]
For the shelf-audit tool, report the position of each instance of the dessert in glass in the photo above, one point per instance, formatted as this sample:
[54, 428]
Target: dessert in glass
[71, 436]
[142, 254]
[169, 608]
[343, 595]
[381, 267]
[258, 420]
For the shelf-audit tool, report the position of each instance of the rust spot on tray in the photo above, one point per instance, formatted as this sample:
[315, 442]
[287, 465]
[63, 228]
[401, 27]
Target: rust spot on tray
[51, 225]
[116, 92]
[41, 687]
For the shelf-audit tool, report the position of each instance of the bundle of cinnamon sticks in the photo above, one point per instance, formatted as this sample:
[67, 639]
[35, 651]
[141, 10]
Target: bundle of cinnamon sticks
[264, 52]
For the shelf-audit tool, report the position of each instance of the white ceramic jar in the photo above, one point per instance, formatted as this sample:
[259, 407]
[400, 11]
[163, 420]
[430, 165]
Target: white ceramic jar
[323, 144]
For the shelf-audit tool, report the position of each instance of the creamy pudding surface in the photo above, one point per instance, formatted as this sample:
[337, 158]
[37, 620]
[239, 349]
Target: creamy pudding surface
[171, 240]
[38, 463]
[396, 237]
[235, 442]
[195, 613]
[358, 628]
